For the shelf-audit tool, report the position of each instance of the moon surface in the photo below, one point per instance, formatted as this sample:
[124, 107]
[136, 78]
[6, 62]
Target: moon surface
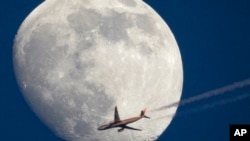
[76, 60]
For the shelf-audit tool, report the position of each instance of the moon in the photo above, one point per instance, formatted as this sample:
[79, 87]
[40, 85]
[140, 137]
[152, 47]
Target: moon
[76, 60]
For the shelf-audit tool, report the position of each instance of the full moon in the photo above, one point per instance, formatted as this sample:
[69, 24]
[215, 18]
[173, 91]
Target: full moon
[76, 60]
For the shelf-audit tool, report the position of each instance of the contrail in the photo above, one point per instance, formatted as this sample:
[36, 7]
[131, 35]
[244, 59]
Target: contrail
[215, 104]
[212, 93]
[210, 105]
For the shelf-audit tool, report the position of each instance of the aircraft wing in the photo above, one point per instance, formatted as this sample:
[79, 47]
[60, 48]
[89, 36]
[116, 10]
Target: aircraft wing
[117, 118]
[131, 128]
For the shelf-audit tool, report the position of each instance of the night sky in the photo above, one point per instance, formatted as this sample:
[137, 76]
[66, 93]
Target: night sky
[214, 40]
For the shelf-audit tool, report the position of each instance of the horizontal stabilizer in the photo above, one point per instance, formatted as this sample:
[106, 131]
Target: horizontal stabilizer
[143, 112]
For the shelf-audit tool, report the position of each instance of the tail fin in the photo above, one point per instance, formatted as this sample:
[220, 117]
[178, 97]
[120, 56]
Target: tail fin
[143, 112]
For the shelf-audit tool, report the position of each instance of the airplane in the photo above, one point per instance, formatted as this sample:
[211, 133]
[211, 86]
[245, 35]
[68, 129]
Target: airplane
[123, 123]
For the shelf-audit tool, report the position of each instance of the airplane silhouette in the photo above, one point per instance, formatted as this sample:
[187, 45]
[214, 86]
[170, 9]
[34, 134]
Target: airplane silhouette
[123, 123]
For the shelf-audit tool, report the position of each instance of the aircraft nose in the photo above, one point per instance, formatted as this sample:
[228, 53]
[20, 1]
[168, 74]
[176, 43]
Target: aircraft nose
[103, 127]
[100, 128]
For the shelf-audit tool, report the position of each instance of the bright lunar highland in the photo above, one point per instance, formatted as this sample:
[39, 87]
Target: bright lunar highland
[76, 60]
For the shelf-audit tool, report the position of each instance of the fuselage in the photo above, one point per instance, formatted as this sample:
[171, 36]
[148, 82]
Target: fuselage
[123, 123]
[120, 123]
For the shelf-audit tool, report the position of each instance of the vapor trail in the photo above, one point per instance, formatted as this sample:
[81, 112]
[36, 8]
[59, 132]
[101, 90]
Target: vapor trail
[208, 94]
[216, 103]
[210, 105]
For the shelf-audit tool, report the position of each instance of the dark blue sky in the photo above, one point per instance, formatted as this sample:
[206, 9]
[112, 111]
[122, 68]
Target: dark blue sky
[214, 40]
